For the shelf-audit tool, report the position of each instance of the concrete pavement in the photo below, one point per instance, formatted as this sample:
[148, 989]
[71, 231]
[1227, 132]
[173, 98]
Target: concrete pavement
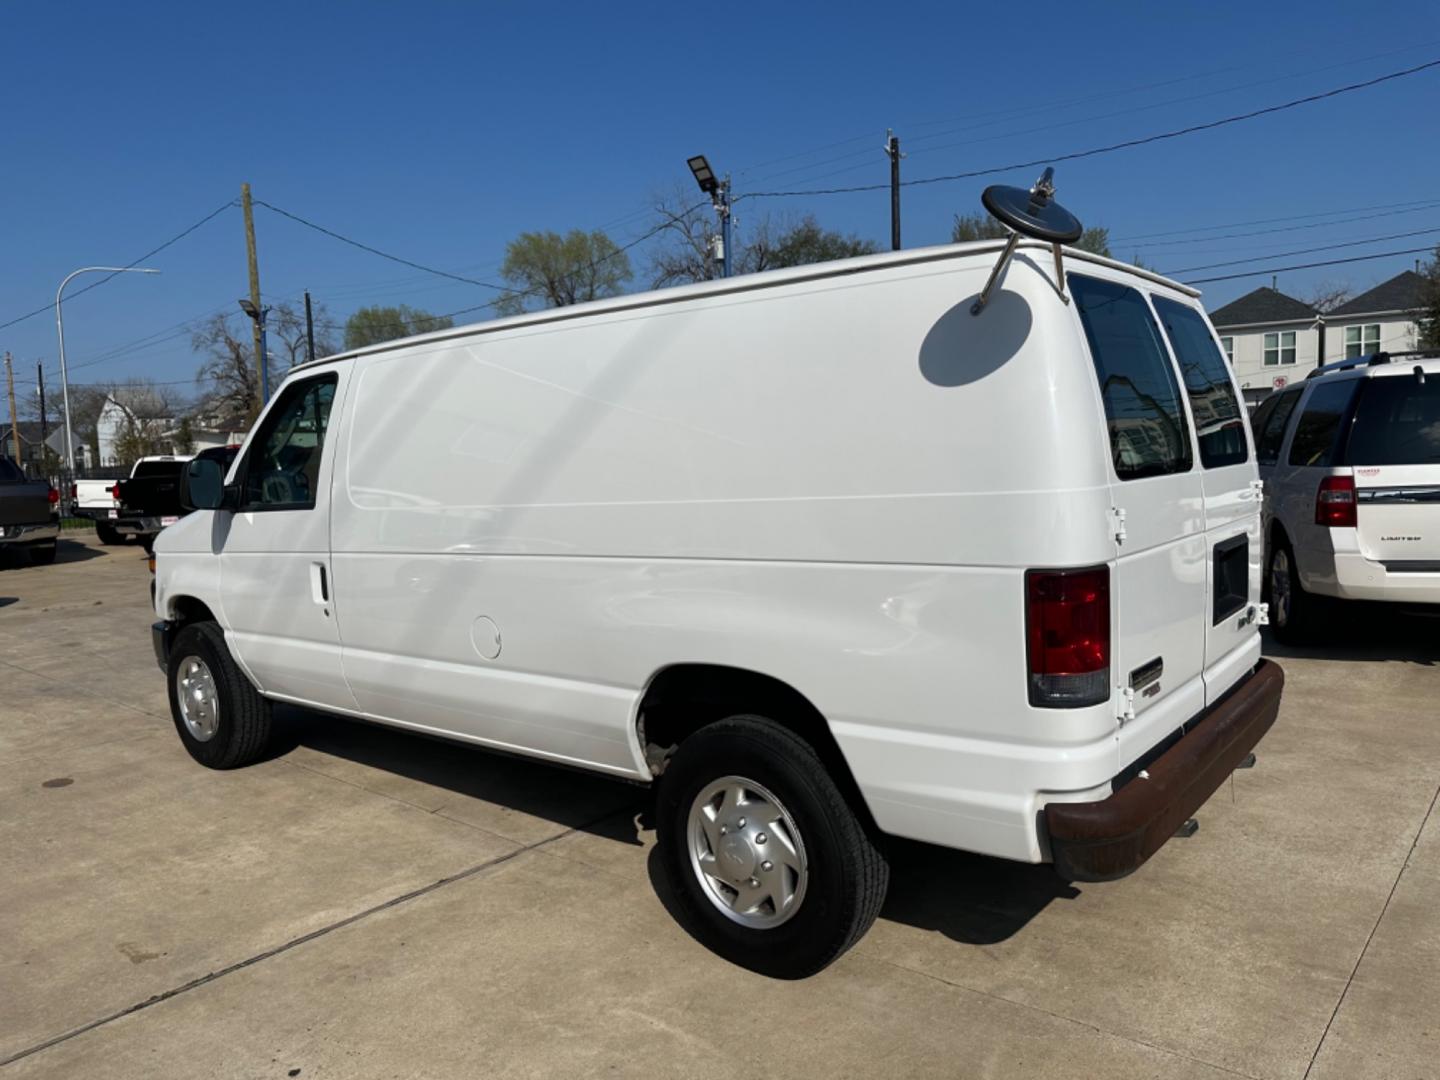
[369, 903]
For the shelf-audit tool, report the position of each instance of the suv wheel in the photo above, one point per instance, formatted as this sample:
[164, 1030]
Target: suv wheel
[1295, 615]
[771, 867]
[221, 718]
[107, 534]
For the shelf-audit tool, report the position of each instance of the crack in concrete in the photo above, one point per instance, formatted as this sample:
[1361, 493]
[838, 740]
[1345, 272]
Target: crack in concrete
[1405, 865]
[294, 943]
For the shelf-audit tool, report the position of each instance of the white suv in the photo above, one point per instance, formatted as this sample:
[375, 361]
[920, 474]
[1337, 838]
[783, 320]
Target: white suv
[1350, 460]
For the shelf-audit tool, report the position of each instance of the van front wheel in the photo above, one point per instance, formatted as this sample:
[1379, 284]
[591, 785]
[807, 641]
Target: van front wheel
[221, 718]
[769, 865]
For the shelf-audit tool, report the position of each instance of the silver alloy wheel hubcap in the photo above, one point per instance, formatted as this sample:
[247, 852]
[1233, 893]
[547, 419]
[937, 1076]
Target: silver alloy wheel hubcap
[747, 853]
[198, 697]
[1280, 587]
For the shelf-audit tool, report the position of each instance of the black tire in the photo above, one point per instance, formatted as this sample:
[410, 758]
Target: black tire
[1297, 617]
[43, 554]
[107, 535]
[148, 543]
[241, 728]
[847, 873]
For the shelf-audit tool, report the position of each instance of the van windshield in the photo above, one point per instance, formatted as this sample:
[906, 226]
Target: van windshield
[1397, 422]
[1149, 435]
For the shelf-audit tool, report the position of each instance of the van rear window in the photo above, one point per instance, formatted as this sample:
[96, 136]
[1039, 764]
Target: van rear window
[1149, 435]
[1219, 420]
[1397, 422]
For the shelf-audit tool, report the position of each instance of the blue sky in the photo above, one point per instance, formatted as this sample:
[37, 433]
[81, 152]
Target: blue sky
[439, 130]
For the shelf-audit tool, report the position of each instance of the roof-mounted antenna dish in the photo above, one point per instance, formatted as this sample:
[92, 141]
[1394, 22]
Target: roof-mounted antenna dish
[1033, 213]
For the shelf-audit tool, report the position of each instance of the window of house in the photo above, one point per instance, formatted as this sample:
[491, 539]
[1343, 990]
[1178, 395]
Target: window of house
[1227, 345]
[1149, 434]
[1280, 348]
[1362, 340]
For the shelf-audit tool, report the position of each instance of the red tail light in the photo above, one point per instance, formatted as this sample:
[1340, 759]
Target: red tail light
[1067, 623]
[54, 496]
[74, 490]
[1335, 502]
[115, 491]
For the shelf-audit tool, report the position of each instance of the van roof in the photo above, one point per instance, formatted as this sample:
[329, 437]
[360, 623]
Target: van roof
[976, 250]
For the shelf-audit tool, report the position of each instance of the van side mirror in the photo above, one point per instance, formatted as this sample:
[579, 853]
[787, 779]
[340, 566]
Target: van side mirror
[202, 485]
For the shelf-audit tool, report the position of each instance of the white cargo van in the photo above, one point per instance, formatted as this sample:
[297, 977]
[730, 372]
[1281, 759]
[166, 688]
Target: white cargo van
[826, 554]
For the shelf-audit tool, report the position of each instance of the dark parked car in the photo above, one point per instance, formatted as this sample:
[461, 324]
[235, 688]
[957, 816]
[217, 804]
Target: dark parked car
[29, 518]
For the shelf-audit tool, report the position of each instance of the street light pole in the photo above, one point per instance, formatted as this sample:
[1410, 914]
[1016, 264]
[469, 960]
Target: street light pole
[60, 327]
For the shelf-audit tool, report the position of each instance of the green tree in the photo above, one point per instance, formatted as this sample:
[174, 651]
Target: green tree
[185, 437]
[984, 227]
[807, 243]
[372, 325]
[1429, 314]
[545, 269]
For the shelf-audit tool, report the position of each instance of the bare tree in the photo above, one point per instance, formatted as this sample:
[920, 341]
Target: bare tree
[684, 254]
[286, 336]
[1328, 295]
[228, 365]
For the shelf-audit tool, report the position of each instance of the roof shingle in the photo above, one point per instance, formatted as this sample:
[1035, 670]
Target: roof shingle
[1264, 305]
[1403, 292]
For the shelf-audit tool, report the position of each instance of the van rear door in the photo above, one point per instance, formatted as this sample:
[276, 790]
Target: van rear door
[1233, 537]
[1157, 502]
[1394, 447]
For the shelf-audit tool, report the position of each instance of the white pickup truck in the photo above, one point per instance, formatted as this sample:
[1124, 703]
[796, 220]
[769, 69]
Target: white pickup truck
[95, 499]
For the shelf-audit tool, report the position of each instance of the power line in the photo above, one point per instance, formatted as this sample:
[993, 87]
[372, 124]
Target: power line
[149, 254]
[1112, 147]
[1301, 251]
[1309, 266]
[1391, 206]
[376, 251]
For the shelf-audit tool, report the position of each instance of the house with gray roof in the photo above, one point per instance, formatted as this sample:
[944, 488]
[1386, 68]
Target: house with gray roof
[1272, 339]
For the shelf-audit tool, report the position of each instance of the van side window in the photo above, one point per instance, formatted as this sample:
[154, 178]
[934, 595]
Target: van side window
[282, 467]
[1149, 435]
[1268, 439]
[1315, 434]
[1219, 420]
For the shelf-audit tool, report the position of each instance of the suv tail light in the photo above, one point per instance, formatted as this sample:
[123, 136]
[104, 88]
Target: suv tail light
[1335, 502]
[1067, 625]
[54, 496]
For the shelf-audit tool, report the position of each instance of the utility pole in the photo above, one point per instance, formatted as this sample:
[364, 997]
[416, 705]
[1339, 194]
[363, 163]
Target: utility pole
[722, 207]
[44, 420]
[260, 365]
[892, 150]
[14, 422]
[309, 329]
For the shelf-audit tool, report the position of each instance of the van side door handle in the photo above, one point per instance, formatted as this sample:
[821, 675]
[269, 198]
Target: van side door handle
[319, 584]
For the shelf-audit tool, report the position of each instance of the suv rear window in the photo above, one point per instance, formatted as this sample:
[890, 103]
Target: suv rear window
[1397, 422]
[1315, 434]
[1219, 420]
[1270, 433]
[1149, 435]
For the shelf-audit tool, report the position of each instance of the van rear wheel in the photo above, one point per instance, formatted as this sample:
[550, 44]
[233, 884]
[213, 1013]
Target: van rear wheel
[222, 720]
[769, 864]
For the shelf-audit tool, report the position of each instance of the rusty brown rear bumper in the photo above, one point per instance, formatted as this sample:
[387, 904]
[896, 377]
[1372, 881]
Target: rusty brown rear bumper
[1100, 841]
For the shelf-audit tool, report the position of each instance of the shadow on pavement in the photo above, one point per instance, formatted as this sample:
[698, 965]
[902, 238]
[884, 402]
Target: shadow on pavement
[5, 601]
[567, 797]
[72, 551]
[1368, 632]
[973, 899]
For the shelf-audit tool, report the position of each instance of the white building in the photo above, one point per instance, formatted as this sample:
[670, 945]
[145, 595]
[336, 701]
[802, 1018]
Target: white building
[1272, 339]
